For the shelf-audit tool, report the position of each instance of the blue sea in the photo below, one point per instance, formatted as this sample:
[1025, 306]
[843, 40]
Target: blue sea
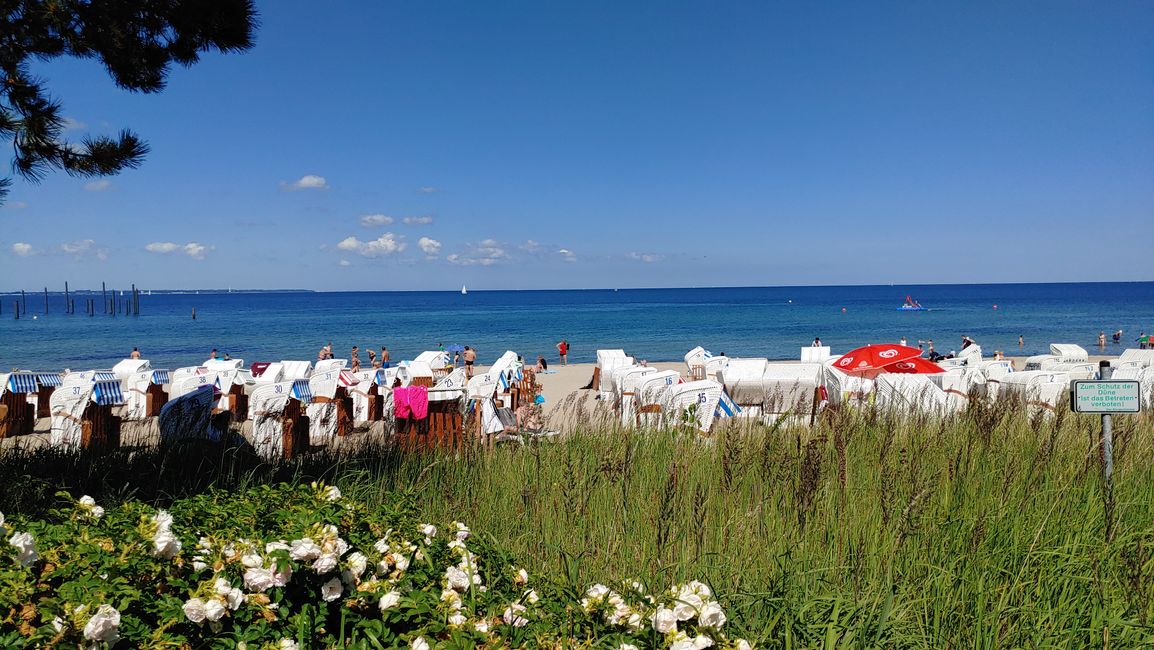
[654, 324]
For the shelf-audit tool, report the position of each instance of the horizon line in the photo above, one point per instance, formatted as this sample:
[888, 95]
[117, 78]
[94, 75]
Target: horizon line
[649, 288]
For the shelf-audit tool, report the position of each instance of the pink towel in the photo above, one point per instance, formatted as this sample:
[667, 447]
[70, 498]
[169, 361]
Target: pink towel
[401, 407]
[419, 402]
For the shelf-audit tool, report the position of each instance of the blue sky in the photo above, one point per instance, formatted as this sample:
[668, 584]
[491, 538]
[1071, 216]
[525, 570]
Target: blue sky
[426, 145]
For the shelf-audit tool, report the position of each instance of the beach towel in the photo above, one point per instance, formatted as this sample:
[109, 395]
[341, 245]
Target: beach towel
[401, 408]
[489, 421]
[419, 402]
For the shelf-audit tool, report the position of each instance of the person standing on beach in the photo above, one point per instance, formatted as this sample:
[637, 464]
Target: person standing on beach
[902, 342]
[384, 357]
[1101, 339]
[355, 359]
[470, 357]
[135, 353]
[1021, 341]
[563, 349]
[816, 342]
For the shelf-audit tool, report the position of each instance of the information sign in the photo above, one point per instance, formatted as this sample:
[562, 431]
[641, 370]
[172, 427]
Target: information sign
[1105, 396]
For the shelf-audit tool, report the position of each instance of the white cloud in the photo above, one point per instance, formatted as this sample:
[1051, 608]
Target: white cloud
[83, 248]
[196, 251]
[383, 246]
[73, 125]
[161, 247]
[98, 186]
[307, 182]
[567, 255]
[16, 205]
[486, 252]
[531, 246]
[370, 220]
[192, 249]
[648, 258]
[23, 249]
[428, 190]
[431, 247]
[345, 263]
[423, 219]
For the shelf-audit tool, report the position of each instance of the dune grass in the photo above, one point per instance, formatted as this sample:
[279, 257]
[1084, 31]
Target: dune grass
[871, 530]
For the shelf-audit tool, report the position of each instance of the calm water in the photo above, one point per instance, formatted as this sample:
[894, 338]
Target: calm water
[657, 324]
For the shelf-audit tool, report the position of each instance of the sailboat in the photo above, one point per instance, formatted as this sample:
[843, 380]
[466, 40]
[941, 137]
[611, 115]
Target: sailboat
[464, 291]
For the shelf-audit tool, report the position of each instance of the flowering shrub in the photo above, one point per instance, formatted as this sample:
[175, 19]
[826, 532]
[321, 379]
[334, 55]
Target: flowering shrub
[302, 566]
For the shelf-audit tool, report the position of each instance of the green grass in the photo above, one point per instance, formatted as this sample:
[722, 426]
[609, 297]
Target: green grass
[983, 531]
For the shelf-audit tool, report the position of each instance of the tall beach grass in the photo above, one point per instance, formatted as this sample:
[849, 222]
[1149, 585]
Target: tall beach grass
[873, 529]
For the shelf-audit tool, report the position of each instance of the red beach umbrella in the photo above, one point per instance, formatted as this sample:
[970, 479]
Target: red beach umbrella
[914, 366]
[875, 357]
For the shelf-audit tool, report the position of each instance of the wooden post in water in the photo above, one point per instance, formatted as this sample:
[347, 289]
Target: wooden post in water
[45, 301]
[16, 307]
[67, 299]
[104, 297]
[23, 302]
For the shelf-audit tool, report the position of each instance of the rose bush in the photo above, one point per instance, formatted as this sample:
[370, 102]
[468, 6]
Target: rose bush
[303, 566]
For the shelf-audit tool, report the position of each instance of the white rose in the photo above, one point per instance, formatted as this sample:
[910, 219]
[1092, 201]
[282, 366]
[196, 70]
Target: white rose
[304, 549]
[331, 590]
[214, 610]
[163, 520]
[87, 501]
[419, 643]
[276, 546]
[165, 545]
[3, 530]
[332, 493]
[326, 563]
[389, 600]
[400, 561]
[522, 577]
[96, 511]
[458, 619]
[686, 608]
[457, 578]
[462, 531]
[531, 597]
[281, 578]
[701, 642]
[428, 530]
[357, 563]
[481, 626]
[626, 646]
[235, 599]
[259, 580]
[711, 615]
[664, 620]
[25, 548]
[103, 625]
[289, 644]
[221, 586]
[251, 559]
[682, 644]
[742, 644]
[700, 588]
[597, 592]
[194, 610]
[512, 615]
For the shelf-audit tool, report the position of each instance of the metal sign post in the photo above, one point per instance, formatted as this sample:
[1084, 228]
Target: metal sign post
[1106, 397]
